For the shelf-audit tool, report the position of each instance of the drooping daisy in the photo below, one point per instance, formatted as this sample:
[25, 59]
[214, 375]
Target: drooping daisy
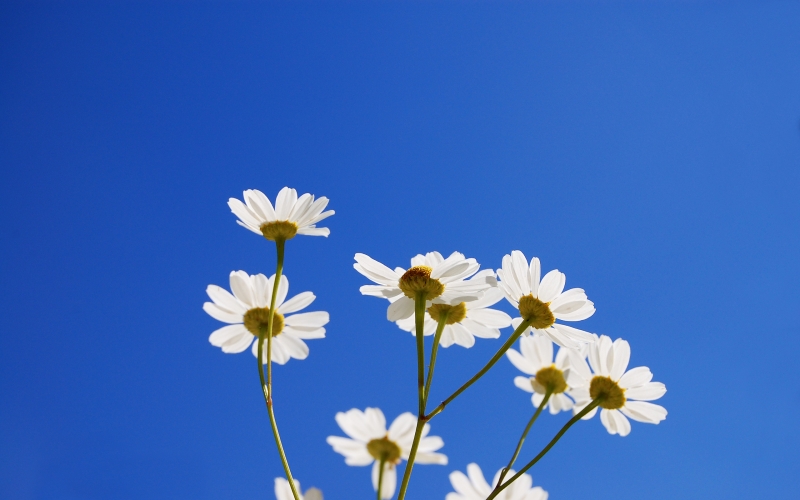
[622, 393]
[473, 486]
[465, 320]
[247, 311]
[371, 443]
[284, 492]
[536, 358]
[291, 215]
[441, 280]
[542, 302]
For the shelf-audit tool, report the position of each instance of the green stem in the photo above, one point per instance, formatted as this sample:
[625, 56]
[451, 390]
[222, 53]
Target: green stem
[525, 434]
[419, 312]
[380, 478]
[499, 354]
[266, 386]
[434, 351]
[591, 406]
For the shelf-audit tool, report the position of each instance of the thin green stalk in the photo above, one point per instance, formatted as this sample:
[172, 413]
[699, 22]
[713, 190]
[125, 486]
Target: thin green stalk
[591, 406]
[525, 434]
[499, 354]
[419, 312]
[266, 386]
[380, 478]
[434, 351]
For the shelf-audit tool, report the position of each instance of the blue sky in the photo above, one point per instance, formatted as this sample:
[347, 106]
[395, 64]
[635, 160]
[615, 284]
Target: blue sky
[649, 150]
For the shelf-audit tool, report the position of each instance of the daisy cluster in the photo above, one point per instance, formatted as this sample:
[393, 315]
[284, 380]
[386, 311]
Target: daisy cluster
[453, 300]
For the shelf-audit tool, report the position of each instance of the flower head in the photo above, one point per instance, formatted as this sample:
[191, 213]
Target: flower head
[465, 320]
[473, 486]
[536, 358]
[290, 216]
[621, 393]
[371, 443]
[439, 280]
[543, 301]
[284, 492]
[247, 311]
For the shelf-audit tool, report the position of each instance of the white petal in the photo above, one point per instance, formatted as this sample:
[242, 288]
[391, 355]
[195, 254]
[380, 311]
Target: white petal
[642, 411]
[293, 346]
[302, 204]
[521, 271]
[224, 299]
[244, 214]
[489, 317]
[284, 203]
[355, 452]
[389, 479]
[552, 285]
[261, 201]
[636, 377]
[375, 271]
[620, 358]
[355, 424]
[220, 314]
[647, 392]
[479, 330]
[400, 309]
[241, 287]
[313, 319]
[314, 231]
[305, 332]
[232, 339]
[402, 429]
[297, 303]
[283, 289]
[534, 274]
[523, 383]
[621, 423]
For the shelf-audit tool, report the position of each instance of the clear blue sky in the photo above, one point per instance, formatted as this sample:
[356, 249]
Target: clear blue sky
[649, 150]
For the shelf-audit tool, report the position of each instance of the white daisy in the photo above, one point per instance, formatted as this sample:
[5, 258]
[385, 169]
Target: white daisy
[371, 443]
[542, 302]
[536, 358]
[622, 393]
[284, 492]
[473, 486]
[465, 320]
[247, 311]
[441, 280]
[291, 215]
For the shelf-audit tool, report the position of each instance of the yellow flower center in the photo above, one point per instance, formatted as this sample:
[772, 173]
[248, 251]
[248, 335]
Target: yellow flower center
[383, 449]
[256, 320]
[536, 312]
[418, 279]
[454, 314]
[281, 230]
[610, 394]
[549, 378]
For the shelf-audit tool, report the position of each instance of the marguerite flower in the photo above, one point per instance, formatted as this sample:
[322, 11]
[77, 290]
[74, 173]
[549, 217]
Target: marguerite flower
[247, 311]
[536, 358]
[621, 393]
[284, 492]
[465, 320]
[542, 302]
[291, 215]
[372, 444]
[473, 486]
[440, 280]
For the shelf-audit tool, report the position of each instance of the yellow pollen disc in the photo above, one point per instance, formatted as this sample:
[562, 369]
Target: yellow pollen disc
[455, 314]
[383, 449]
[611, 395]
[418, 279]
[550, 378]
[281, 230]
[256, 320]
[536, 312]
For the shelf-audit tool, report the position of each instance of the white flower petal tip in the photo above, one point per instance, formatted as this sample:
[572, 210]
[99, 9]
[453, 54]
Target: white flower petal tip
[623, 394]
[473, 486]
[291, 215]
[369, 442]
[542, 300]
[535, 359]
[284, 492]
[247, 313]
[448, 285]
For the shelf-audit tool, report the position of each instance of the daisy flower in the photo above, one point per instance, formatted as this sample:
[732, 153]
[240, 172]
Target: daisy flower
[371, 443]
[542, 301]
[536, 358]
[247, 312]
[290, 216]
[440, 280]
[622, 393]
[473, 486]
[465, 320]
[284, 492]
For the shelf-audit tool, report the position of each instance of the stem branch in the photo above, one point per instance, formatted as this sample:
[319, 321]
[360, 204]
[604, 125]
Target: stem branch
[525, 434]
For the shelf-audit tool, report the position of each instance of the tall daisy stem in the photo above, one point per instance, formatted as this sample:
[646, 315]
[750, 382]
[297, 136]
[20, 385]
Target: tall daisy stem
[501, 486]
[266, 386]
[434, 350]
[499, 354]
[419, 316]
[525, 434]
[380, 478]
